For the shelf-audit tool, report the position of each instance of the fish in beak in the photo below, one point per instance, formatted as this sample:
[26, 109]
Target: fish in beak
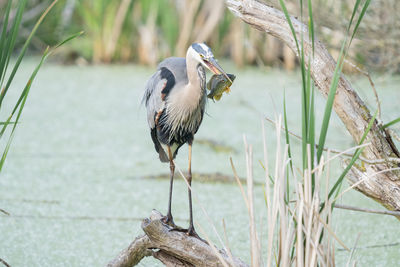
[214, 67]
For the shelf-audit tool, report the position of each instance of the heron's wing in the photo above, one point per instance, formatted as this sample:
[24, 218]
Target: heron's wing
[153, 97]
[157, 89]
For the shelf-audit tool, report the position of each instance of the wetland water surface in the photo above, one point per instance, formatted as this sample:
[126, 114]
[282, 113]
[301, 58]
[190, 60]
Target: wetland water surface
[77, 185]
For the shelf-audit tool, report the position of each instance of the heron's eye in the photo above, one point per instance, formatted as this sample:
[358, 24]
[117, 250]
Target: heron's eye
[201, 55]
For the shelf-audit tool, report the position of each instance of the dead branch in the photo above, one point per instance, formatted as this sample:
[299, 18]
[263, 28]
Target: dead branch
[378, 102]
[336, 151]
[395, 244]
[384, 212]
[393, 134]
[172, 248]
[133, 254]
[5, 212]
[4, 263]
[384, 187]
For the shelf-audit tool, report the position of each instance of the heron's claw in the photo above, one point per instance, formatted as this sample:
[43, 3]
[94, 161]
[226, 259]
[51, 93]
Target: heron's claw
[177, 229]
[168, 220]
[190, 232]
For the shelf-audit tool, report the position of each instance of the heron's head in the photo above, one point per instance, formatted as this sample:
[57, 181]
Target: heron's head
[203, 54]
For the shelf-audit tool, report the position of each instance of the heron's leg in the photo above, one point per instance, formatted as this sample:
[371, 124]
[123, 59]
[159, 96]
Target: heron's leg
[189, 178]
[168, 219]
[191, 230]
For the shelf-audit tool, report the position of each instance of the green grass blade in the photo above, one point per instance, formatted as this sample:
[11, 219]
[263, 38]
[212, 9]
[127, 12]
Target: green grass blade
[335, 80]
[391, 123]
[311, 24]
[287, 199]
[303, 75]
[312, 121]
[353, 14]
[354, 158]
[289, 21]
[360, 18]
[287, 131]
[21, 107]
[311, 138]
[73, 36]
[23, 50]
[304, 111]
[346, 170]
[11, 38]
[329, 103]
[6, 123]
[3, 38]
[308, 96]
[22, 96]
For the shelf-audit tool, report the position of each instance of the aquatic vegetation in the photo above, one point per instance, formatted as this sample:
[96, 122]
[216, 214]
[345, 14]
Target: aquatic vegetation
[7, 48]
[146, 31]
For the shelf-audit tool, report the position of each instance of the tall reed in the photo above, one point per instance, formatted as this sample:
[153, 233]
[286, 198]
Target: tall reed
[307, 93]
[119, 30]
[294, 229]
[9, 34]
[300, 227]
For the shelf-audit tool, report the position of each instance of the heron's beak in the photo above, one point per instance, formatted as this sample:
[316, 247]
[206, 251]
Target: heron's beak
[213, 65]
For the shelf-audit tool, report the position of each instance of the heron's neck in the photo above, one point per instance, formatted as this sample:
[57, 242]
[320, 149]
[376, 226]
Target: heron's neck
[195, 73]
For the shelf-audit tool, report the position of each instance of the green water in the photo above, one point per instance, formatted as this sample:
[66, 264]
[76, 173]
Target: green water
[74, 181]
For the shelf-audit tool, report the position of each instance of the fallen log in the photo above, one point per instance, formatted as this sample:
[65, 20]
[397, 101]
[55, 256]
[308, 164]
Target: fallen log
[173, 248]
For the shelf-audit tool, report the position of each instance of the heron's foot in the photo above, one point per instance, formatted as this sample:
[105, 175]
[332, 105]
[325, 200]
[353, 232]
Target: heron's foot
[168, 220]
[177, 229]
[190, 232]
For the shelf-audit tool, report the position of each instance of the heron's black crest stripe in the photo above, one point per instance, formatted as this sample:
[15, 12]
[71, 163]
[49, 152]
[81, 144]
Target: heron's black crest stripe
[199, 49]
[169, 76]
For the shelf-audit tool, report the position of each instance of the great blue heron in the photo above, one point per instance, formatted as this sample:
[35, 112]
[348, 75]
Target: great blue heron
[175, 99]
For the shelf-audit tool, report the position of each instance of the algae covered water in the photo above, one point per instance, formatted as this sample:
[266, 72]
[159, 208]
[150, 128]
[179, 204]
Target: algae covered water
[82, 171]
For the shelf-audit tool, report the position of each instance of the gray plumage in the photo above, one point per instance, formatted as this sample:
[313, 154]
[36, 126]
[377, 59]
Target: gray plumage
[175, 99]
[175, 105]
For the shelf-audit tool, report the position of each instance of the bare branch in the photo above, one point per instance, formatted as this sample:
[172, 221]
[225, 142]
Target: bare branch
[394, 134]
[173, 248]
[385, 212]
[385, 187]
[5, 212]
[336, 151]
[4, 262]
[133, 254]
[378, 102]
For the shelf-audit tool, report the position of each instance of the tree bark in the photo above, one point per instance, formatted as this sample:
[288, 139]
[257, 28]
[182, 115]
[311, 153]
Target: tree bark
[383, 187]
[172, 248]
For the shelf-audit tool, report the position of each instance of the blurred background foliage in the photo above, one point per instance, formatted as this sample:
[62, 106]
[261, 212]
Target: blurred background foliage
[146, 31]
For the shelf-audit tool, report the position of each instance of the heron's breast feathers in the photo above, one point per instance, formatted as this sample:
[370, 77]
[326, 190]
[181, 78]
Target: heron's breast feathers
[184, 111]
[175, 106]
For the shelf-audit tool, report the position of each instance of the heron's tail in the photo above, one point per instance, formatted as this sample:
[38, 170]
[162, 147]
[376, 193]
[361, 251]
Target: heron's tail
[163, 156]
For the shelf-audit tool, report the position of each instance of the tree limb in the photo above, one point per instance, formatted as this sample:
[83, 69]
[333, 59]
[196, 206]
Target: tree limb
[4, 263]
[384, 187]
[172, 248]
[384, 212]
[336, 151]
[133, 254]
